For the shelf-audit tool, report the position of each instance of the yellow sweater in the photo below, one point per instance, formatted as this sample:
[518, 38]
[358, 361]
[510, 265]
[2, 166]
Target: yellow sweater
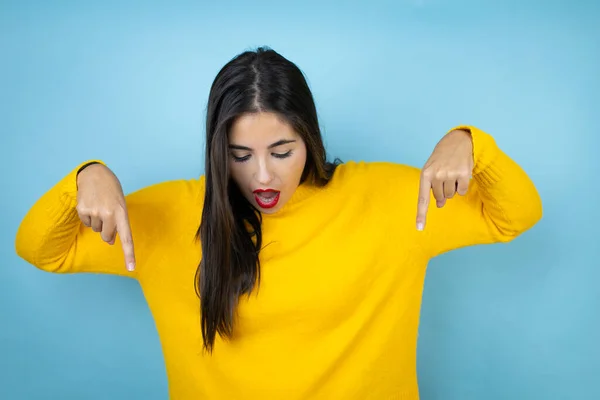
[337, 311]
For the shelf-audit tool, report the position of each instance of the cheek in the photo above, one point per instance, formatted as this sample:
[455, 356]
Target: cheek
[300, 163]
[237, 173]
[292, 172]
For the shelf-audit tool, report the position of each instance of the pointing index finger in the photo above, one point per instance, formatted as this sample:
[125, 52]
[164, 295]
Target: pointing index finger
[423, 202]
[124, 230]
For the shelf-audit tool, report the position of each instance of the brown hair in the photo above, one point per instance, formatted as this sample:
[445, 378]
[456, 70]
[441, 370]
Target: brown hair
[253, 81]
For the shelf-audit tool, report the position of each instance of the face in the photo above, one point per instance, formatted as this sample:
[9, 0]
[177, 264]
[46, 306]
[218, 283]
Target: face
[266, 159]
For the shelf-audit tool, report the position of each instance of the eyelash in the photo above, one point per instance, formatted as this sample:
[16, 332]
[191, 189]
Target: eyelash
[276, 155]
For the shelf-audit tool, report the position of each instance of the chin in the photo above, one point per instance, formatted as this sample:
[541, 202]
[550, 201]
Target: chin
[268, 210]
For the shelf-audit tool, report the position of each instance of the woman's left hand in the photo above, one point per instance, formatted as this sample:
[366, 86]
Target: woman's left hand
[446, 172]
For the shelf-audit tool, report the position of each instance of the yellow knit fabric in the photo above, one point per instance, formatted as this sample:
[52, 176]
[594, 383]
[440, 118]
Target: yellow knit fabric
[337, 310]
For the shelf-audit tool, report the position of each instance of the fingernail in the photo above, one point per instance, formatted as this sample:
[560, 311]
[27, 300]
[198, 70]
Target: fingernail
[130, 266]
[419, 226]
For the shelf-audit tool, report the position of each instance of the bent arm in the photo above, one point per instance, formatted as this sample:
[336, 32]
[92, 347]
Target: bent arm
[502, 202]
[52, 238]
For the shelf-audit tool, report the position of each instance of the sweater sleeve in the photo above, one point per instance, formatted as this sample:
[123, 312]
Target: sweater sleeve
[502, 202]
[52, 238]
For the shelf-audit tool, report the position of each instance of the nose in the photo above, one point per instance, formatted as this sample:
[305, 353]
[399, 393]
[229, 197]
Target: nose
[264, 176]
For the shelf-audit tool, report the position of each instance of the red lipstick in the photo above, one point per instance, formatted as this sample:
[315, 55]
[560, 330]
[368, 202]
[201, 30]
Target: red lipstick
[266, 198]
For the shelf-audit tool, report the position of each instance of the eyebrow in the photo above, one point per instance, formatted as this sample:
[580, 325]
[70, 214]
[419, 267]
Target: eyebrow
[278, 143]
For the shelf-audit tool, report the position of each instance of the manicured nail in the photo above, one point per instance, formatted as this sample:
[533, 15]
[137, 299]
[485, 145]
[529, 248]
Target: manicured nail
[130, 266]
[419, 226]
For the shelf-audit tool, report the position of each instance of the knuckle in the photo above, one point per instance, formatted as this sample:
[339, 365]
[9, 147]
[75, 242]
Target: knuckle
[120, 210]
[464, 172]
[107, 213]
[441, 175]
[453, 175]
[82, 209]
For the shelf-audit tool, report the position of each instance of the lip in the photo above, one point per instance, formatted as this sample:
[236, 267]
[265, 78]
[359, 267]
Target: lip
[261, 203]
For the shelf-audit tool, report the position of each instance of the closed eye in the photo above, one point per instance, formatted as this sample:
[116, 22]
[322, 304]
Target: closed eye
[284, 155]
[247, 157]
[240, 159]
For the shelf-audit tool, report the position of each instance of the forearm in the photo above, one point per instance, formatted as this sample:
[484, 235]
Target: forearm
[501, 203]
[49, 229]
[510, 199]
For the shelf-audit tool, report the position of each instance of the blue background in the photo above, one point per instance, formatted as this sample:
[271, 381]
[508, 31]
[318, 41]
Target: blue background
[128, 83]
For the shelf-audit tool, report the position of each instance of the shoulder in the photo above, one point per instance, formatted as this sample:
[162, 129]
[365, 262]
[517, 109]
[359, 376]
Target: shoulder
[390, 187]
[385, 193]
[173, 192]
[174, 204]
[376, 174]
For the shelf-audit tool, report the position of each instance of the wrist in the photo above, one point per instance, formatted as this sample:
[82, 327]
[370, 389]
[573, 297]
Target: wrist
[464, 140]
[86, 167]
[461, 132]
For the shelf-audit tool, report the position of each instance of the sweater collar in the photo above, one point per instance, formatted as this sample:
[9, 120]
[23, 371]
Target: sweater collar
[302, 193]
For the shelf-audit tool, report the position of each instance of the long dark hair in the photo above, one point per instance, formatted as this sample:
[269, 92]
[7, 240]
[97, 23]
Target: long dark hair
[230, 231]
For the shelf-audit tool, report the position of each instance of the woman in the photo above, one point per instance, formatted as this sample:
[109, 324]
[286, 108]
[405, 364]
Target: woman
[280, 275]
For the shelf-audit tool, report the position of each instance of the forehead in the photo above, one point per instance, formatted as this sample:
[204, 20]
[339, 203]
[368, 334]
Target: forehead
[260, 129]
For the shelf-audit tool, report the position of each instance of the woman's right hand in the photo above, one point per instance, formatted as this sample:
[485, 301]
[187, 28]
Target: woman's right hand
[101, 206]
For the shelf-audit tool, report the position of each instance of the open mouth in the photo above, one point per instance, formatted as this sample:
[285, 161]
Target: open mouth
[266, 198]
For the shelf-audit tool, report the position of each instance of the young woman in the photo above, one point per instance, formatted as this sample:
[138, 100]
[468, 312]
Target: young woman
[279, 274]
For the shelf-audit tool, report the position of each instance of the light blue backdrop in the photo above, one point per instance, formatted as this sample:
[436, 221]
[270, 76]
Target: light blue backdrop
[128, 83]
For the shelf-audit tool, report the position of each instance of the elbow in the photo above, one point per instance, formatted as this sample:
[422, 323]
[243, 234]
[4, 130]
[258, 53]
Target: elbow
[533, 212]
[537, 211]
[27, 250]
[30, 255]
[24, 249]
[528, 214]
[32, 251]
